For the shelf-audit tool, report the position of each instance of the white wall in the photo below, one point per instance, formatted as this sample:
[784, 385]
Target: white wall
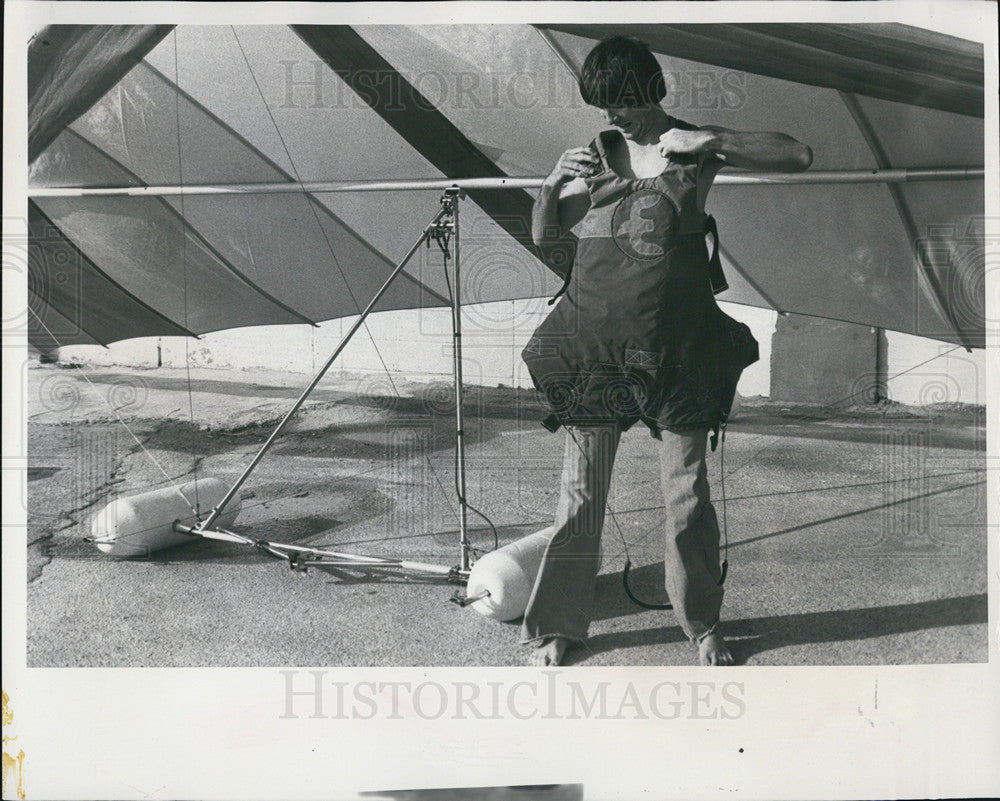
[417, 344]
[922, 371]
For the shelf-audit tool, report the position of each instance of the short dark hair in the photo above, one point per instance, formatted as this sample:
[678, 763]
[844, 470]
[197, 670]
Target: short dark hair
[621, 72]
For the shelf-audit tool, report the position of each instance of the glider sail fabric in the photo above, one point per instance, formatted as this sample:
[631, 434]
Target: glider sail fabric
[885, 61]
[859, 253]
[275, 106]
[70, 66]
[75, 285]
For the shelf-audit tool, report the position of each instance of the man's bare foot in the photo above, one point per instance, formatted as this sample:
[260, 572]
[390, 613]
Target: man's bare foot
[549, 653]
[712, 650]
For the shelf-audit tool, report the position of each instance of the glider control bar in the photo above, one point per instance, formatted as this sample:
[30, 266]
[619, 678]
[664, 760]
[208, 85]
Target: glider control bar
[891, 176]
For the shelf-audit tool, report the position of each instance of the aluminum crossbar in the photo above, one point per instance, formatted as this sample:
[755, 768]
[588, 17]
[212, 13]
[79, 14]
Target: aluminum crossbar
[873, 176]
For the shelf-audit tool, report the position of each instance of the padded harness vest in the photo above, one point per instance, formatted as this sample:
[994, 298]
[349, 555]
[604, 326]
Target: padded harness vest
[638, 335]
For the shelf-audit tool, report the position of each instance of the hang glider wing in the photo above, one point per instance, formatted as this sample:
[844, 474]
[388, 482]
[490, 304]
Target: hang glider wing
[200, 140]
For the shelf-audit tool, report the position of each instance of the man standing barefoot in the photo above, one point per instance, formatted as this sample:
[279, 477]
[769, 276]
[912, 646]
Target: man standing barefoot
[638, 337]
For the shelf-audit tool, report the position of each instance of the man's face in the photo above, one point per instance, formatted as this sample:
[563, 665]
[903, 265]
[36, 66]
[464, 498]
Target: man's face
[632, 121]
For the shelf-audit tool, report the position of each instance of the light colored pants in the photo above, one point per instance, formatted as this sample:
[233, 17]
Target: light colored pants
[562, 600]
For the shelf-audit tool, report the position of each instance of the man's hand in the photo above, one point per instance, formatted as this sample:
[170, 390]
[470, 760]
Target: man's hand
[577, 162]
[564, 198]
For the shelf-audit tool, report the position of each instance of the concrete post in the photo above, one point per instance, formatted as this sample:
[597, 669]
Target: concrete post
[814, 360]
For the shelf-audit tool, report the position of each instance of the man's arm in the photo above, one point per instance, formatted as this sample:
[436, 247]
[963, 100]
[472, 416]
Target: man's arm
[751, 150]
[560, 205]
[562, 202]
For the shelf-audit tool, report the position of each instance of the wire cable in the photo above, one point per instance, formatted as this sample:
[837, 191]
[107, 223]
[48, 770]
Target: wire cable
[184, 265]
[628, 560]
[614, 519]
[312, 202]
[114, 410]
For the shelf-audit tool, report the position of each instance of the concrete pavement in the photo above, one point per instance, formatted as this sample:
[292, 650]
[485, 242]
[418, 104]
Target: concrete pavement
[856, 536]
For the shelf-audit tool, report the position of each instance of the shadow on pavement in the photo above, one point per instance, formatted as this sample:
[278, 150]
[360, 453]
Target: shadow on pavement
[752, 636]
[873, 431]
[868, 509]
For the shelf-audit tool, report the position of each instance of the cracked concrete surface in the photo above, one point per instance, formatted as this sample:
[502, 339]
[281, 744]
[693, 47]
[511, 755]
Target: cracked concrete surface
[857, 536]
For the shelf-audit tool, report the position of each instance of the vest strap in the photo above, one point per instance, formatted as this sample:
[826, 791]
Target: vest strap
[563, 288]
[715, 273]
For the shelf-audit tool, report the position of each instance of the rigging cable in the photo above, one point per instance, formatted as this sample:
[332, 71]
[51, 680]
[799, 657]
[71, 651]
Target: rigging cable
[628, 560]
[311, 201]
[184, 266]
[722, 478]
[114, 410]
